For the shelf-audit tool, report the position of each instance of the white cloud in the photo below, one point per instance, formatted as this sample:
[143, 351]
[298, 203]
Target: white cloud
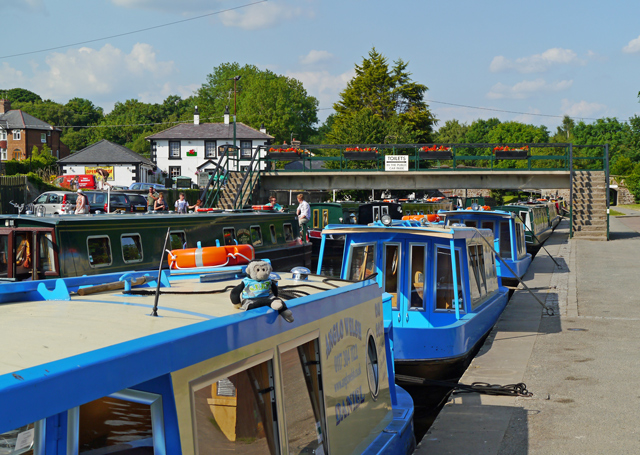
[25, 5]
[529, 117]
[633, 46]
[537, 63]
[582, 109]
[10, 77]
[316, 57]
[324, 86]
[525, 89]
[183, 6]
[263, 15]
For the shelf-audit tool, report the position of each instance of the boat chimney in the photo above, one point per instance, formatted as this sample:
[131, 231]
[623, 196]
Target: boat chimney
[226, 115]
[196, 117]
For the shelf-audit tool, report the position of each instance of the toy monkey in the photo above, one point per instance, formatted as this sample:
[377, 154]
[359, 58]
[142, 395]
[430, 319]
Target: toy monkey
[257, 290]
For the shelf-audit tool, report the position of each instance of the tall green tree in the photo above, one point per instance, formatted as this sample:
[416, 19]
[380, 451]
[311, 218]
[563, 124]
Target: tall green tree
[280, 102]
[389, 94]
[452, 132]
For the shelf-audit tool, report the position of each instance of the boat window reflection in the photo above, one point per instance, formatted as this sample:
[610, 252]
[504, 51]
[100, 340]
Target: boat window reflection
[99, 251]
[391, 261]
[178, 240]
[288, 232]
[303, 402]
[505, 240]
[236, 413]
[229, 235]
[117, 424]
[19, 441]
[417, 276]
[46, 253]
[325, 217]
[272, 230]
[4, 255]
[444, 280]
[316, 218]
[362, 263]
[487, 225]
[131, 247]
[256, 236]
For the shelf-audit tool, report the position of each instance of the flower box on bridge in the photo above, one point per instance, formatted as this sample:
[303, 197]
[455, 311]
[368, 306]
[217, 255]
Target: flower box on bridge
[435, 152]
[357, 153]
[507, 153]
[284, 154]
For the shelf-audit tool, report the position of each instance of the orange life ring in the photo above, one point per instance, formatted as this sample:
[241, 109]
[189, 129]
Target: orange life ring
[199, 209]
[266, 208]
[486, 207]
[212, 256]
[431, 217]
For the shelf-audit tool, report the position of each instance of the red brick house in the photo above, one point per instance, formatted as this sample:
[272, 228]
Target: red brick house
[21, 132]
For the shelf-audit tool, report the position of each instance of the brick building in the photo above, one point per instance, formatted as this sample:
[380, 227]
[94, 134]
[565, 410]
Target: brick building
[21, 132]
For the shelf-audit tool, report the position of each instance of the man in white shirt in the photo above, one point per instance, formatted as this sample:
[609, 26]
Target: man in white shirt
[303, 212]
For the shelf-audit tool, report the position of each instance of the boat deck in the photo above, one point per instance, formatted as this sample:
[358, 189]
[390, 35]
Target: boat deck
[39, 332]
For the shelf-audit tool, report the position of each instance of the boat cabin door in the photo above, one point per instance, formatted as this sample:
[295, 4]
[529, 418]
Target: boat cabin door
[404, 277]
[27, 255]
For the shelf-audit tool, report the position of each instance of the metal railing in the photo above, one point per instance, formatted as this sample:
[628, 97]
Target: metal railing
[211, 193]
[445, 157]
[249, 180]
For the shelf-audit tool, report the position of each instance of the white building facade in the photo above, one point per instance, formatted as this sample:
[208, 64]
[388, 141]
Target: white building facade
[190, 150]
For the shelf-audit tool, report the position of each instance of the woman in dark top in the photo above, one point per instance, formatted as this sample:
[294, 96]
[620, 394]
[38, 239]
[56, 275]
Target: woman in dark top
[160, 205]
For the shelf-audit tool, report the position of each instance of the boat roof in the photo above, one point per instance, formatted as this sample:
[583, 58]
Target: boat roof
[52, 220]
[409, 228]
[40, 332]
[479, 213]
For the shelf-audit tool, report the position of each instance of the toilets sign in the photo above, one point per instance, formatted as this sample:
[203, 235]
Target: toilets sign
[396, 163]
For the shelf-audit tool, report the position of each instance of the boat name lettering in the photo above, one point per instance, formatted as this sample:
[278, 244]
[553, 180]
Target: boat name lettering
[347, 326]
[348, 405]
[379, 329]
[378, 309]
[344, 382]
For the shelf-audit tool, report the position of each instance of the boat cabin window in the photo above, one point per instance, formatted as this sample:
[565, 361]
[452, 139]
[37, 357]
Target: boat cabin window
[471, 223]
[244, 237]
[451, 221]
[303, 400]
[505, 240]
[523, 217]
[391, 262]
[385, 210]
[325, 217]
[256, 236]
[4, 256]
[418, 272]
[25, 440]
[99, 248]
[362, 262]
[272, 230]
[316, 218]
[490, 269]
[229, 235]
[129, 421]
[376, 213]
[487, 225]
[24, 254]
[237, 413]
[288, 232]
[178, 240]
[373, 371]
[477, 276]
[522, 249]
[444, 280]
[46, 253]
[131, 247]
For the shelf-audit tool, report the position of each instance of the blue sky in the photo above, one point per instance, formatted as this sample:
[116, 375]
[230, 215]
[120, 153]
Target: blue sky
[546, 57]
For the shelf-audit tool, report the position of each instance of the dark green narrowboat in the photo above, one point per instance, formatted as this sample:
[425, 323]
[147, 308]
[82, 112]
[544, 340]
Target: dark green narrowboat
[52, 246]
[537, 227]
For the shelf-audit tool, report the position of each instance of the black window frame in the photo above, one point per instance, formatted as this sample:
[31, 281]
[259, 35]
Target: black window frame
[179, 157]
[207, 153]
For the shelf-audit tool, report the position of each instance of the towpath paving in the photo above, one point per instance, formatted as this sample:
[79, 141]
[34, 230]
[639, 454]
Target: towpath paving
[581, 364]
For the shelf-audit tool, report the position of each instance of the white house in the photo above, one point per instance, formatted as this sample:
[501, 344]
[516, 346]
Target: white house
[192, 149]
[124, 165]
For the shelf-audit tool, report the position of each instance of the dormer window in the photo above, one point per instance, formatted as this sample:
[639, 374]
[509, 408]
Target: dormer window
[43, 138]
[17, 135]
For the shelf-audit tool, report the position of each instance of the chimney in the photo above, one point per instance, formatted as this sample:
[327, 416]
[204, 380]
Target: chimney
[196, 117]
[226, 115]
[5, 106]
[263, 129]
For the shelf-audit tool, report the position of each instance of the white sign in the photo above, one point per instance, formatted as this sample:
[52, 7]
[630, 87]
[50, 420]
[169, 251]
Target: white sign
[396, 162]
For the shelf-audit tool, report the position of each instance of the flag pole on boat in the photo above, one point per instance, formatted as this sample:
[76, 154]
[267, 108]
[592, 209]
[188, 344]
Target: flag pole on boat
[154, 312]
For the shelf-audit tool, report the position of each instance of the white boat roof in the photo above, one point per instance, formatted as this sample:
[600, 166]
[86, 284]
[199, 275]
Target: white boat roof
[488, 213]
[429, 230]
[39, 332]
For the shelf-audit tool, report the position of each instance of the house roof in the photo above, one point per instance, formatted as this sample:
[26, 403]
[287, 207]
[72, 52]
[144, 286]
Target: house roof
[21, 120]
[209, 131]
[105, 152]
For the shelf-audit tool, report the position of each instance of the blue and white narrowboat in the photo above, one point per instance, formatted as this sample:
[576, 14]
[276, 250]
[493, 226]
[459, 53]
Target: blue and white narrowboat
[445, 292]
[508, 234]
[96, 374]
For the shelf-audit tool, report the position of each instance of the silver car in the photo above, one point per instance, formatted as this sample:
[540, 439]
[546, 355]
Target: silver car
[53, 201]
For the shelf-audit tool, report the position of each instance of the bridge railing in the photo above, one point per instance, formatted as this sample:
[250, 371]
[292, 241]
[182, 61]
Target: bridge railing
[438, 157]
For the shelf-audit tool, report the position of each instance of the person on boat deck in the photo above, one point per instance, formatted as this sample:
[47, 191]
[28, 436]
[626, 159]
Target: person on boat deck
[82, 204]
[257, 290]
[272, 203]
[196, 206]
[152, 197]
[160, 205]
[182, 204]
[304, 210]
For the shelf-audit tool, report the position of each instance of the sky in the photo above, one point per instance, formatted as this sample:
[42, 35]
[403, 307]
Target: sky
[536, 60]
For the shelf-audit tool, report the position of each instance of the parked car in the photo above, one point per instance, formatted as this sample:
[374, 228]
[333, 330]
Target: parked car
[137, 202]
[146, 186]
[53, 201]
[118, 201]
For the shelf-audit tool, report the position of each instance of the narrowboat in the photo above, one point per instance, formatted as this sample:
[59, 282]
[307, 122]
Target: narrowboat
[324, 213]
[375, 210]
[508, 234]
[535, 217]
[446, 295]
[424, 208]
[97, 374]
[39, 247]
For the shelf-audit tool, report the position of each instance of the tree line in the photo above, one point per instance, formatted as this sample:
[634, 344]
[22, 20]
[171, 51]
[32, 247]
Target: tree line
[381, 104]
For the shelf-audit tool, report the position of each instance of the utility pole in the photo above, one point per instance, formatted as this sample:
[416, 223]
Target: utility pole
[235, 80]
